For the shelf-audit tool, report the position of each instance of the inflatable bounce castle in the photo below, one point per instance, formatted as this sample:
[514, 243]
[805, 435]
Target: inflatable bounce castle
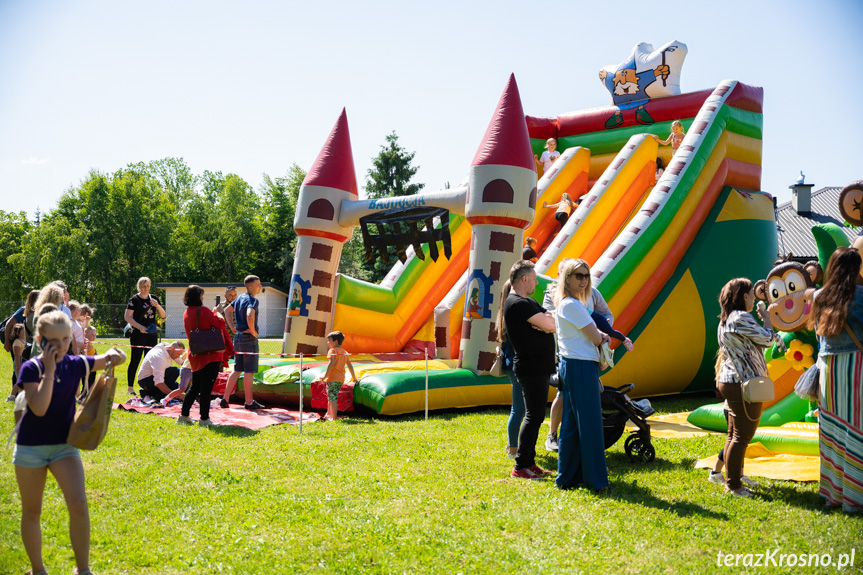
[659, 249]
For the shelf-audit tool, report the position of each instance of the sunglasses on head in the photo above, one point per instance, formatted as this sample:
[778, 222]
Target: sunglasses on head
[581, 277]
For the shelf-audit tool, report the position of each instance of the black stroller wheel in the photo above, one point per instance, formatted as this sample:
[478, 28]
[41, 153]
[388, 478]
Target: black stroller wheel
[639, 450]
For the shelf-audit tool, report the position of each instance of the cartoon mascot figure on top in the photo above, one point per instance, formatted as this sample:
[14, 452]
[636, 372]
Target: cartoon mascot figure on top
[645, 74]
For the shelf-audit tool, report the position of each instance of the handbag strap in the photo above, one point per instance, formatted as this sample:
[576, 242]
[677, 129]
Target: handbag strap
[86, 380]
[198, 318]
[746, 413]
[853, 337]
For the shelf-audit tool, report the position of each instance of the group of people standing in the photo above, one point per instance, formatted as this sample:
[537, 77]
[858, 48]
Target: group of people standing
[58, 363]
[579, 317]
[837, 319]
[527, 331]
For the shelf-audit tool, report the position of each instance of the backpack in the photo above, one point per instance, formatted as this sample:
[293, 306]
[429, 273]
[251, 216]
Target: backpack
[3, 330]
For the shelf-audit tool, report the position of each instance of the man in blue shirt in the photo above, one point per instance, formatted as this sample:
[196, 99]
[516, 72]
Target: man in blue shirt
[245, 343]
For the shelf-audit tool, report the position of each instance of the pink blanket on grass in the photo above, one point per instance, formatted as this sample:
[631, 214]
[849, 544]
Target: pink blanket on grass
[235, 415]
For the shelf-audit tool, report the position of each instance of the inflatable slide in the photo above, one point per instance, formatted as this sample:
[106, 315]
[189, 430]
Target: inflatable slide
[659, 250]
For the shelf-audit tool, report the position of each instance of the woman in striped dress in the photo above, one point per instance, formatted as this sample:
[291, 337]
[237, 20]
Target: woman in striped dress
[837, 315]
[741, 357]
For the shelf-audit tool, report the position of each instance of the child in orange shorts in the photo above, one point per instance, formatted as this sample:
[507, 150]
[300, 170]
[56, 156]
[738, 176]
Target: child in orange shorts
[335, 374]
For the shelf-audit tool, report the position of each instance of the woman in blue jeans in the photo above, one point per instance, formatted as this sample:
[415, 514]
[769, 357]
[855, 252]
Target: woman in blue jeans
[516, 414]
[581, 447]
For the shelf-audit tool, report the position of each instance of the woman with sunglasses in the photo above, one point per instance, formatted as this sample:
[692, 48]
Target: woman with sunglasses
[581, 448]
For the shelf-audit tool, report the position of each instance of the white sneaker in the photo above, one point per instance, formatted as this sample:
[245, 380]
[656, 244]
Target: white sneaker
[185, 420]
[749, 482]
[742, 492]
[509, 455]
[551, 443]
[11, 397]
[717, 478]
[206, 422]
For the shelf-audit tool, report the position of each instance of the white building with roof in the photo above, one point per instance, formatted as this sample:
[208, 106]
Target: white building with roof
[273, 306]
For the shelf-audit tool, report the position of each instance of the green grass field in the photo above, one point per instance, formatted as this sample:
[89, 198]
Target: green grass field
[402, 495]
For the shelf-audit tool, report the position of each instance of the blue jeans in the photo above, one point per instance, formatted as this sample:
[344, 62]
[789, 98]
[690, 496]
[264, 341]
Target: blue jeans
[581, 445]
[516, 414]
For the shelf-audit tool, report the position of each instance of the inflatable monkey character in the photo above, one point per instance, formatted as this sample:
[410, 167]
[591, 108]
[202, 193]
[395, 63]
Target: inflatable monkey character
[851, 203]
[787, 292]
[851, 208]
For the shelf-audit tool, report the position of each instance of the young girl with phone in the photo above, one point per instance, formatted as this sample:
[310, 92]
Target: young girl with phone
[50, 381]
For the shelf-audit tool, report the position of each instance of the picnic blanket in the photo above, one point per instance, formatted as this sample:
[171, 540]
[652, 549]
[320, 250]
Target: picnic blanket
[235, 415]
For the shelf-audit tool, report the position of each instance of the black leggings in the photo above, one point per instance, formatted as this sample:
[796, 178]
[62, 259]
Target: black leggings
[202, 389]
[139, 339]
[561, 217]
[535, 391]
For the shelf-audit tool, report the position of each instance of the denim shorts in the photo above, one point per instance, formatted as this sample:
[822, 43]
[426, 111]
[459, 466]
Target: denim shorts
[42, 455]
[242, 361]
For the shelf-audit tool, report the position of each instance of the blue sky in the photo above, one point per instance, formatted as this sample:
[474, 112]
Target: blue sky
[252, 87]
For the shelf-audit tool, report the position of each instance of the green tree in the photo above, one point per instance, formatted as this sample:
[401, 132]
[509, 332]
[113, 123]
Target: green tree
[106, 234]
[220, 232]
[173, 176]
[391, 171]
[280, 196]
[389, 176]
[353, 260]
[14, 229]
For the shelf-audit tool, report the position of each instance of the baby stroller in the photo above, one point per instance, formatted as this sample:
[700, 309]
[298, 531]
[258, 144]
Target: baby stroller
[617, 408]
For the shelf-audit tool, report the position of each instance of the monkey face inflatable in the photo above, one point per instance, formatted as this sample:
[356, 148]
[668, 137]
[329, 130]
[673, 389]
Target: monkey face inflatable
[787, 293]
[851, 203]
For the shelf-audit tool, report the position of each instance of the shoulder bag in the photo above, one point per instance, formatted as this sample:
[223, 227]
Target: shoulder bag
[755, 390]
[202, 342]
[497, 368]
[92, 418]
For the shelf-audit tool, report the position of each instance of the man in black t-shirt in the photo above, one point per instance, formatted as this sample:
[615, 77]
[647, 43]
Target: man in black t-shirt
[529, 328]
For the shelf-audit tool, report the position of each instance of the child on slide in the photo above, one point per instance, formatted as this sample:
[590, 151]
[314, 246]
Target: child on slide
[529, 251]
[675, 138]
[335, 374]
[564, 208]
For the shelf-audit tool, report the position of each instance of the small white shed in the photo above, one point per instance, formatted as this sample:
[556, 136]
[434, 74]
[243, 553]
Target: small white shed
[273, 306]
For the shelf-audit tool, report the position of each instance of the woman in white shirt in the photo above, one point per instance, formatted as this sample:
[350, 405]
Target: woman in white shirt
[581, 447]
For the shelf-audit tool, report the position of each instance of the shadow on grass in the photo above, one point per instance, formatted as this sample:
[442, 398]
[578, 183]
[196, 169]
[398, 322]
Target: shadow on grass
[620, 462]
[632, 492]
[357, 421]
[793, 496]
[233, 431]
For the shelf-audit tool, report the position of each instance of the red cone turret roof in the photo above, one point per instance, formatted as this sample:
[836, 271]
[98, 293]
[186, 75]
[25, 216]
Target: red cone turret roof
[506, 141]
[334, 166]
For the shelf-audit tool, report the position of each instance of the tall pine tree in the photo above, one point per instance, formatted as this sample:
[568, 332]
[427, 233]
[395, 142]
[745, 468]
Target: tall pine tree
[392, 171]
[389, 176]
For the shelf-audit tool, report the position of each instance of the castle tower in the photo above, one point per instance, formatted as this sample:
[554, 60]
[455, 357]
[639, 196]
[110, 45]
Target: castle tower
[319, 244]
[500, 205]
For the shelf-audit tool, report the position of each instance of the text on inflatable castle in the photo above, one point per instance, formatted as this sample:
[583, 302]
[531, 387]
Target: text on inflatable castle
[390, 203]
